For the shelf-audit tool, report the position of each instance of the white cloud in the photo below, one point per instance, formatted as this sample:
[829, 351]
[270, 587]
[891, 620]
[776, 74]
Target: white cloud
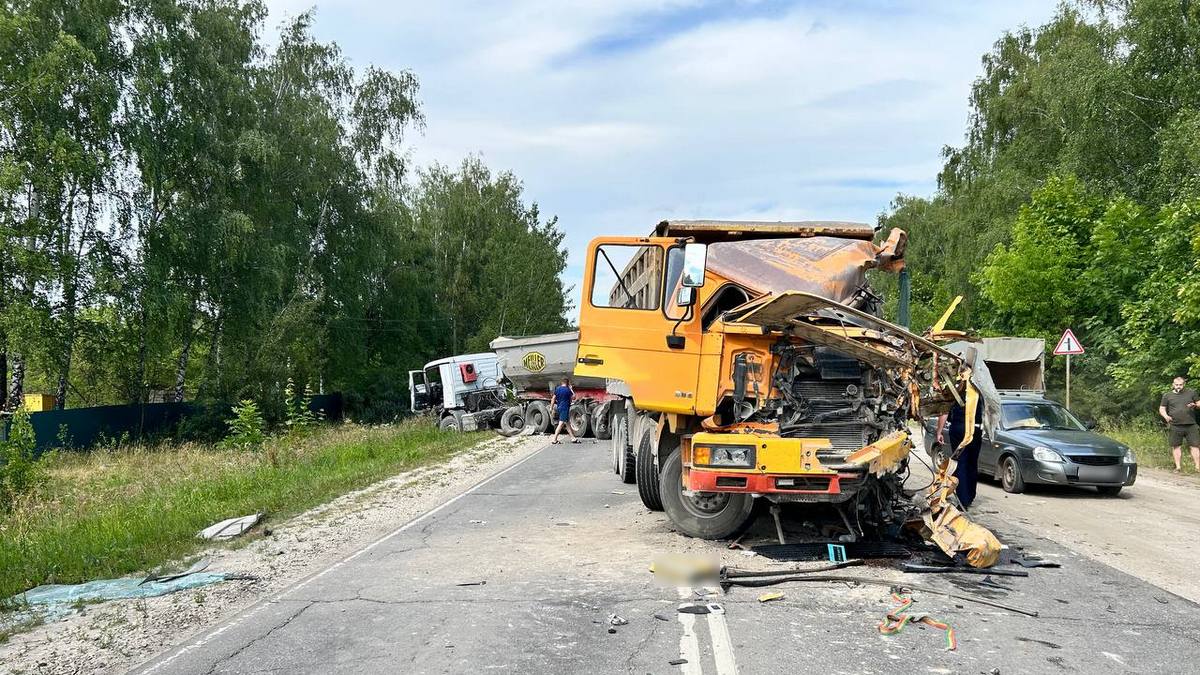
[620, 113]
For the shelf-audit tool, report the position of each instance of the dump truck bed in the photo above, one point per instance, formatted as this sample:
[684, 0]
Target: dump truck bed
[708, 231]
[539, 362]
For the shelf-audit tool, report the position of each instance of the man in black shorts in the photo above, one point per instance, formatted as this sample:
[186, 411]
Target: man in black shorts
[1178, 408]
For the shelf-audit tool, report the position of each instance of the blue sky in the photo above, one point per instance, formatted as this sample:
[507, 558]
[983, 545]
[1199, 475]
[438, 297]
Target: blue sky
[620, 113]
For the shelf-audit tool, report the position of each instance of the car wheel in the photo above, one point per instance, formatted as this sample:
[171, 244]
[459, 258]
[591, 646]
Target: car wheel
[1110, 490]
[647, 477]
[1010, 475]
[704, 515]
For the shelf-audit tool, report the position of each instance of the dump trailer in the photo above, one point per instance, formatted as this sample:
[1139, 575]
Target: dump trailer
[533, 366]
[749, 361]
[510, 389]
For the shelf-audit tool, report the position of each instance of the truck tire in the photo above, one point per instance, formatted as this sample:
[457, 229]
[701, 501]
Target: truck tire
[706, 515]
[579, 419]
[537, 416]
[452, 421]
[601, 422]
[617, 443]
[512, 421]
[626, 462]
[647, 477]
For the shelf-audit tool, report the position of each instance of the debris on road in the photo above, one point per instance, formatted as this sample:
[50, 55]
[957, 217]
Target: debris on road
[898, 618]
[230, 528]
[820, 551]
[54, 601]
[617, 620]
[661, 617]
[693, 608]
[915, 568]
[472, 583]
[768, 597]
[198, 566]
[677, 662]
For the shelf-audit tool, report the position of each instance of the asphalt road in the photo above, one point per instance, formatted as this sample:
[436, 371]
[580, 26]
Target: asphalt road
[521, 573]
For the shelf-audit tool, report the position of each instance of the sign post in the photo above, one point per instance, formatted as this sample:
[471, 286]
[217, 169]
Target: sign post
[1068, 344]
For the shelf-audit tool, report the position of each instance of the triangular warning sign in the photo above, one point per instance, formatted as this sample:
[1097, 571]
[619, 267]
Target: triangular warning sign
[1068, 344]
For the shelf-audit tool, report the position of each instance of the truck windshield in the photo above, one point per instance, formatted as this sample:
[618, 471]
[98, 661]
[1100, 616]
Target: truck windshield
[1039, 415]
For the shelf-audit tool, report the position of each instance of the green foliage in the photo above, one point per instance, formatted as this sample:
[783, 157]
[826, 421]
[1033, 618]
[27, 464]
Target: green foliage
[1071, 202]
[20, 471]
[187, 204]
[300, 417]
[247, 429]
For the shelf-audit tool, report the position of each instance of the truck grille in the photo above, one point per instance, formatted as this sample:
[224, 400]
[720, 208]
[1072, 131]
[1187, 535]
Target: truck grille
[1093, 460]
[845, 432]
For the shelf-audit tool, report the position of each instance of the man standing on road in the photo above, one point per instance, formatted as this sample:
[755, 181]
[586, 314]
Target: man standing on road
[1178, 408]
[562, 410]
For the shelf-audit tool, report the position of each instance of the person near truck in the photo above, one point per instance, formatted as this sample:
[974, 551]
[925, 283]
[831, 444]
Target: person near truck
[562, 410]
[1178, 408]
[967, 469]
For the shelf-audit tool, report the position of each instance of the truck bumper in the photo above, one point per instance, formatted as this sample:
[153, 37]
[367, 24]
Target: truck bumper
[705, 480]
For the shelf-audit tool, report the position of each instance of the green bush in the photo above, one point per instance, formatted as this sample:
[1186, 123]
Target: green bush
[20, 471]
[247, 429]
[299, 417]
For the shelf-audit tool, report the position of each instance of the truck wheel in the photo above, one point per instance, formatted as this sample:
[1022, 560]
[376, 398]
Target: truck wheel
[1010, 475]
[647, 477]
[704, 515]
[578, 419]
[512, 421]
[601, 424]
[628, 463]
[619, 438]
[537, 416]
[452, 421]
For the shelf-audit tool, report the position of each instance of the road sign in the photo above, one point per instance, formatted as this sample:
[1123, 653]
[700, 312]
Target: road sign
[1068, 344]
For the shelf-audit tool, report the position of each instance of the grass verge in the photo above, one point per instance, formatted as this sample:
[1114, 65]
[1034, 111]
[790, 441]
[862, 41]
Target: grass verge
[108, 514]
[1149, 444]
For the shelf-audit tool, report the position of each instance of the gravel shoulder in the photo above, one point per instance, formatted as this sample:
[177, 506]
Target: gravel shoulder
[1148, 531]
[112, 636]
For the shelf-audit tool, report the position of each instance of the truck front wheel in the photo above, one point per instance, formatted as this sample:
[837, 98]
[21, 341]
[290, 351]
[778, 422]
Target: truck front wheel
[647, 476]
[704, 515]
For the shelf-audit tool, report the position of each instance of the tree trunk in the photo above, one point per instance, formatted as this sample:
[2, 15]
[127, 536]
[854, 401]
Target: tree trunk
[3, 371]
[181, 368]
[16, 386]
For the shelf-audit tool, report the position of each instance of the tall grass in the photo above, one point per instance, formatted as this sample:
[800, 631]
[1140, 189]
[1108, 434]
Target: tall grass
[1148, 441]
[107, 514]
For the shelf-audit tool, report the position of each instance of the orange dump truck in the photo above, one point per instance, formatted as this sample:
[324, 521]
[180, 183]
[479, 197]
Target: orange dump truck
[749, 361]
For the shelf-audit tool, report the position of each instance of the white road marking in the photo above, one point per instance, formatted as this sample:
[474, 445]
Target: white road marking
[258, 607]
[718, 628]
[689, 646]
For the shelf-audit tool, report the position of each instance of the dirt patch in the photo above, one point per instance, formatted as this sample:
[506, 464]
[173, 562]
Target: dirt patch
[113, 636]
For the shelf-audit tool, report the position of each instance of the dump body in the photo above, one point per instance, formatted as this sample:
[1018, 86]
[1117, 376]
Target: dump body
[766, 374]
[539, 362]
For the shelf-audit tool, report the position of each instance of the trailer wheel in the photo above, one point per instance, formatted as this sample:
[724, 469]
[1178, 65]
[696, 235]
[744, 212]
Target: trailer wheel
[579, 420]
[618, 440]
[537, 416]
[647, 477]
[601, 423]
[512, 421]
[452, 421]
[704, 515]
[627, 467]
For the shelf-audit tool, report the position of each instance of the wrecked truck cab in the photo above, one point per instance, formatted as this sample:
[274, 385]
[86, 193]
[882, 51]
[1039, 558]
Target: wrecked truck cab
[796, 392]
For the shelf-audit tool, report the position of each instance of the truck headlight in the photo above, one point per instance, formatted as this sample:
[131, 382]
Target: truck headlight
[1129, 457]
[1044, 454]
[739, 456]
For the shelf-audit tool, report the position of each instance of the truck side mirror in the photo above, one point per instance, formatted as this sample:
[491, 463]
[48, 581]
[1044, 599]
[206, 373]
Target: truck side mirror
[694, 257]
[686, 297]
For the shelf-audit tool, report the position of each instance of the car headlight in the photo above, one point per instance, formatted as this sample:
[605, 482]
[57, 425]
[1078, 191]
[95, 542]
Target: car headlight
[1044, 454]
[1129, 457]
[739, 456]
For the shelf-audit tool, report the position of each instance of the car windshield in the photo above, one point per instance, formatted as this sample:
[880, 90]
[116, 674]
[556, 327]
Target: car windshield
[1040, 415]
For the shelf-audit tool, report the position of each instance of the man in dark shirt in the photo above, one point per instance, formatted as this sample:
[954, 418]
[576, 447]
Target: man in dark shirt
[1178, 408]
[562, 410]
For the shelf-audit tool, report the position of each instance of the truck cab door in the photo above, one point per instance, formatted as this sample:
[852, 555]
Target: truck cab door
[418, 392]
[636, 324]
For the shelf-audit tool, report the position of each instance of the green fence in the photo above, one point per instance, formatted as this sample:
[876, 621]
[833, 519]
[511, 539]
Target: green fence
[83, 428]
